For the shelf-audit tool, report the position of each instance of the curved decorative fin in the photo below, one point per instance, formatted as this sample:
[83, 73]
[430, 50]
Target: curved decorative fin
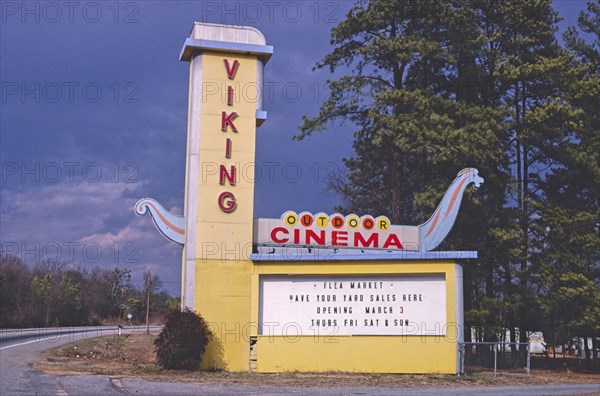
[171, 226]
[434, 230]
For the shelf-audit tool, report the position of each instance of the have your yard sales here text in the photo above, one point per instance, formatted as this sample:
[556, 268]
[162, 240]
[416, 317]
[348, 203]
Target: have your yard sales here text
[354, 297]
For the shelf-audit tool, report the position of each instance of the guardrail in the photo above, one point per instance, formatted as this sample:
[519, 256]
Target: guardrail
[23, 335]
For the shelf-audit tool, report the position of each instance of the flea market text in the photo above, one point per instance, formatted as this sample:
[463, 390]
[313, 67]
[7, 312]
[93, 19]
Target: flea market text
[357, 305]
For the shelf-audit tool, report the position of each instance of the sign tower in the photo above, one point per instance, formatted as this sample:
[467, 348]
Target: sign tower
[225, 108]
[305, 292]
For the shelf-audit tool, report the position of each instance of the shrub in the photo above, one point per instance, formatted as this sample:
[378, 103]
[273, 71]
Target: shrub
[182, 341]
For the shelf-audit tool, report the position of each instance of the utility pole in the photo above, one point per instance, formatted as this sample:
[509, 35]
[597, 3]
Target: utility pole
[148, 306]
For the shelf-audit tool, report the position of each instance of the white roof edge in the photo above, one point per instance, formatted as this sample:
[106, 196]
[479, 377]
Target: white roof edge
[227, 33]
[329, 255]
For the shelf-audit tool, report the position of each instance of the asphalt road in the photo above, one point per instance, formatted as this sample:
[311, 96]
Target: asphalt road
[19, 349]
[17, 377]
[54, 334]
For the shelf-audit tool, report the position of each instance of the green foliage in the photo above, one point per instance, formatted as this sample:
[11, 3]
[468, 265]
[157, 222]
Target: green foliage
[172, 304]
[570, 260]
[182, 341]
[432, 87]
[15, 291]
[70, 293]
[42, 288]
[401, 93]
[135, 308]
[51, 293]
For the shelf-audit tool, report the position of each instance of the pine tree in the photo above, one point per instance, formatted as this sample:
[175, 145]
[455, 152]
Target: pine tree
[424, 108]
[571, 255]
[413, 135]
[436, 86]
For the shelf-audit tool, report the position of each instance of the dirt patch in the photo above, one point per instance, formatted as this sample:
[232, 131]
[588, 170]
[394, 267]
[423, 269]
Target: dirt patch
[132, 355]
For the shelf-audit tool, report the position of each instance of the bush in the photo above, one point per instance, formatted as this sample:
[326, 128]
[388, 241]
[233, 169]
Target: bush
[182, 341]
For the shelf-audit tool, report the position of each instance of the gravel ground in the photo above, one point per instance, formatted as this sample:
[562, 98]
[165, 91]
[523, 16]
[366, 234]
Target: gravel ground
[132, 355]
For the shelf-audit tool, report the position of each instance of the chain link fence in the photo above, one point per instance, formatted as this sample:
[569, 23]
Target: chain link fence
[477, 357]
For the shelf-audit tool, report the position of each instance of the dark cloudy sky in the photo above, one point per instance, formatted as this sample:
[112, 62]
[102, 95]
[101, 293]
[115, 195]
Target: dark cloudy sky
[94, 116]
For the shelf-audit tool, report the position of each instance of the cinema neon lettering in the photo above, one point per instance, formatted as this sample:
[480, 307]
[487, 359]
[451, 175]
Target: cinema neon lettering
[336, 230]
[226, 200]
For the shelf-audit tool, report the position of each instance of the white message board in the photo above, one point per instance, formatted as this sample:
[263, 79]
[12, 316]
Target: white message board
[353, 305]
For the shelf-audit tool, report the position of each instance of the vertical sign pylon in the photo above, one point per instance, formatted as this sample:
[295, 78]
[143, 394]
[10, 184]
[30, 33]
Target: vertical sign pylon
[225, 108]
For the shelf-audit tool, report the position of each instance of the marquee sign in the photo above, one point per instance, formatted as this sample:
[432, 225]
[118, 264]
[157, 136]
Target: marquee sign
[366, 232]
[353, 305]
[338, 231]
[321, 230]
